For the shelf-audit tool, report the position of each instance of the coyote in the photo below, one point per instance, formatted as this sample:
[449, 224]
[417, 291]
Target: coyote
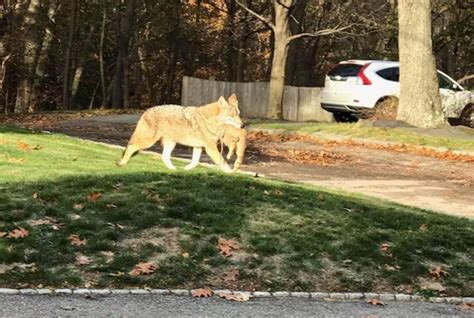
[197, 127]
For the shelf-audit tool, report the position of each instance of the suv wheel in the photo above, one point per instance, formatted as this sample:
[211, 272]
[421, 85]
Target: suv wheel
[467, 116]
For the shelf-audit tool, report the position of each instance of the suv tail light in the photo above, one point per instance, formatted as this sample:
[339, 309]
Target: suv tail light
[365, 80]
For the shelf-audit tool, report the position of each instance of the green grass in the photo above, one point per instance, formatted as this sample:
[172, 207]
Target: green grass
[400, 135]
[291, 236]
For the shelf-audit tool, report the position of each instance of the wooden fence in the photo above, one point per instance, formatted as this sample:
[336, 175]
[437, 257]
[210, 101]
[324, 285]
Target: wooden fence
[299, 103]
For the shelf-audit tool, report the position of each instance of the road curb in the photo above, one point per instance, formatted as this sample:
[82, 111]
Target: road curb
[253, 294]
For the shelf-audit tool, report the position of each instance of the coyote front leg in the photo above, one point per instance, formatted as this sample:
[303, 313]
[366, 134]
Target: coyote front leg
[195, 160]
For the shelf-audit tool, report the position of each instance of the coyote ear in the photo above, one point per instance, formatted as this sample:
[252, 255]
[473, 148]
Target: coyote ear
[233, 100]
[222, 102]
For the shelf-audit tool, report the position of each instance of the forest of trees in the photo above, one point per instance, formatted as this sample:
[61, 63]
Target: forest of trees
[80, 54]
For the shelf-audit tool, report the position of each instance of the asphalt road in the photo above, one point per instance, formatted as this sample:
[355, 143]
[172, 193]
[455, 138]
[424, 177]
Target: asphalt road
[179, 306]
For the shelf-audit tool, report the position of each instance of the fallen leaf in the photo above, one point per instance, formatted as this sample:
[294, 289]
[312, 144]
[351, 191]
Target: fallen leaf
[3, 234]
[111, 206]
[109, 256]
[22, 266]
[118, 186]
[78, 206]
[37, 147]
[143, 268]
[18, 233]
[75, 217]
[47, 220]
[16, 160]
[23, 146]
[76, 241]
[424, 227]
[436, 286]
[82, 259]
[466, 306]
[185, 255]
[234, 297]
[437, 272]
[226, 246]
[201, 292]
[120, 226]
[94, 196]
[375, 302]
[231, 275]
[35, 195]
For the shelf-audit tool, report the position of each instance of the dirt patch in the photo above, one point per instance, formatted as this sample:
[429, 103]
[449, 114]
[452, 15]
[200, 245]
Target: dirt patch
[166, 238]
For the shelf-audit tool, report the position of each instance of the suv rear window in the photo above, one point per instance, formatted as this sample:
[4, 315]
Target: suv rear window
[345, 70]
[390, 74]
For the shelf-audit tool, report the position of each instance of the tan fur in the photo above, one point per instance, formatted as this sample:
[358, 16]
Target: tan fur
[236, 140]
[198, 127]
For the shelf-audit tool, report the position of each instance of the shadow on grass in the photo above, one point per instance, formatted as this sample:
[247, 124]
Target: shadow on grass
[291, 237]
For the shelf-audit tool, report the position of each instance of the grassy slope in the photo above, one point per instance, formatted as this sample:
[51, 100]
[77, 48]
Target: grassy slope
[400, 135]
[292, 237]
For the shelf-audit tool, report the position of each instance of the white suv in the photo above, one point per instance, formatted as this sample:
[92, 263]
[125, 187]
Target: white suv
[356, 86]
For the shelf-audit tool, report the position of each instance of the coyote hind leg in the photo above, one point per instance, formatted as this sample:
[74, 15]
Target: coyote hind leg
[168, 146]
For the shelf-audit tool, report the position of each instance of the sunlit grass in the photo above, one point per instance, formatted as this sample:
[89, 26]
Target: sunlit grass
[291, 236]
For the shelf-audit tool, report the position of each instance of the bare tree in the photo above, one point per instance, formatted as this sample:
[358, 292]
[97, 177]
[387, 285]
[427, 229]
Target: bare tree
[420, 102]
[280, 26]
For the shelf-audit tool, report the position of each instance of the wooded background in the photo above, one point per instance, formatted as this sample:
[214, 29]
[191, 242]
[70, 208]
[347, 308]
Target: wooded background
[133, 54]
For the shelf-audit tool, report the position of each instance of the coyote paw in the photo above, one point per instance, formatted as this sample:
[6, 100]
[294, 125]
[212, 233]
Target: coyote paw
[189, 167]
[227, 169]
[120, 164]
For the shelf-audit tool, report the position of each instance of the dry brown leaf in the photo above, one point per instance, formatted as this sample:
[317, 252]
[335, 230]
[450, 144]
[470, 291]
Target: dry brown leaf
[94, 196]
[145, 268]
[201, 292]
[82, 259]
[231, 275]
[23, 146]
[18, 233]
[226, 246]
[375, 302]
[424, 227]
[109, 256]
[16, 160]
[35, 195]
[437, 272]
[234, 297]
[78, 206]
[76, 241]
[47, 220]
[466, 306]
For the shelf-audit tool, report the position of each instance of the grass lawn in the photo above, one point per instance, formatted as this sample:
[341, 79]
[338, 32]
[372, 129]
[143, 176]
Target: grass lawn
[290, 236]
[400, 135]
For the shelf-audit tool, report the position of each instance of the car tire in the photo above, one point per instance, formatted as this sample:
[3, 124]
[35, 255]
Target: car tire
[467, 116]
[343, 117]
[385, 109]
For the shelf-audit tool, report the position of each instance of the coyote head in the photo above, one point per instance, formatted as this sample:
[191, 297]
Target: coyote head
[229, 112]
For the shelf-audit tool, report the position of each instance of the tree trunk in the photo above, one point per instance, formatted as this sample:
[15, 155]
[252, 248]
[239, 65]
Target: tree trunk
[66, 97]
[121, 87]
[101, 57]
[76, 79]
[30, 59]
[280, 54]
[420, 102]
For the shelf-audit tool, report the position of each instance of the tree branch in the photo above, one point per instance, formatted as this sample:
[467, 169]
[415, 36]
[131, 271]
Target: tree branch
[255, 14]
[465, 78]
[319, 33]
